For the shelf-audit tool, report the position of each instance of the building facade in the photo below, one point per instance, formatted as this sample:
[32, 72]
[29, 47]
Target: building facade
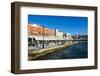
[34, 29]
[38, 34]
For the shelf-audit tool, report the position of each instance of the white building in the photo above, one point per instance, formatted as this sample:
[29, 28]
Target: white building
[59, 35]
[68, 36]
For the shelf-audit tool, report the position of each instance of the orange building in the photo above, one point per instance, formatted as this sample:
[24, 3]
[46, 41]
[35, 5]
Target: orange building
[38, 30]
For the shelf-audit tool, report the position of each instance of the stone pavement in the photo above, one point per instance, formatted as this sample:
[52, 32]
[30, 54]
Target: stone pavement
[34, 48]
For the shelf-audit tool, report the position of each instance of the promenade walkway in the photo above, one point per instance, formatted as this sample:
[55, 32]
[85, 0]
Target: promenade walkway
[34, 48]
[35, 52]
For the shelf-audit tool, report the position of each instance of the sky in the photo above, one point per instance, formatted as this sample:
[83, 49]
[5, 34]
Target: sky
[66, 24]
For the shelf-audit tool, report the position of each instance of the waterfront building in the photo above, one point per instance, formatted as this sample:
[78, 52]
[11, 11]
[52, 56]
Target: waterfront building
[38, 34]
[59, 35]
[34, 29]
[68, 36]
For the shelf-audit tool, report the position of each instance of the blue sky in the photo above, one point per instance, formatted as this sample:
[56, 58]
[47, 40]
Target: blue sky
[65, 24]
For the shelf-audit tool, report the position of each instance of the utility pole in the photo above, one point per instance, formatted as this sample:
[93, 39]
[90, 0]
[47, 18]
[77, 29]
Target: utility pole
[43, 37]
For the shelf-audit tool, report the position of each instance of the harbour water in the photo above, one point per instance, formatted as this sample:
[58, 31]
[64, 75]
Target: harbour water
[75, 51]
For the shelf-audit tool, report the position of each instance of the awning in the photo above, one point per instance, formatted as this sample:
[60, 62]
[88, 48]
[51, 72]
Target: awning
[46, 37]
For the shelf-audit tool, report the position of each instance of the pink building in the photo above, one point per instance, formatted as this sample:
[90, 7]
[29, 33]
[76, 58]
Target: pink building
[38, 30]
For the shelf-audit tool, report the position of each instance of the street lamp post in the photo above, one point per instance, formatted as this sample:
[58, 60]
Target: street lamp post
[43, 37]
